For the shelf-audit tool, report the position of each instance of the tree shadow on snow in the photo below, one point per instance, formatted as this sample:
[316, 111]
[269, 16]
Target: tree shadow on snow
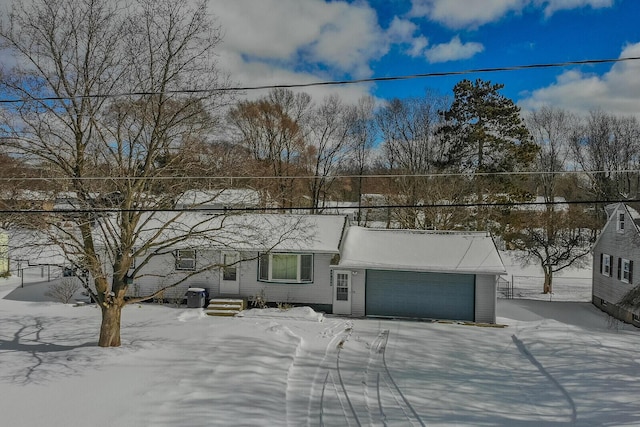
[31, 349]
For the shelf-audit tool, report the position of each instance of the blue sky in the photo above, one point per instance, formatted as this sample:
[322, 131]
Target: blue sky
[299, 41]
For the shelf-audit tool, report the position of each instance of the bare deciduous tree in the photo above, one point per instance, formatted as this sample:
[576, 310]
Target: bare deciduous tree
[326, 145]
[362, 136]
[607, 148]
[273, 129]
[556, 238]
[79, 68]
[411, 147]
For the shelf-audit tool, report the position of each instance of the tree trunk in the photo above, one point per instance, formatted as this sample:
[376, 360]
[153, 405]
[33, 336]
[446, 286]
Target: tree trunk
[110, 327]
[548, 277]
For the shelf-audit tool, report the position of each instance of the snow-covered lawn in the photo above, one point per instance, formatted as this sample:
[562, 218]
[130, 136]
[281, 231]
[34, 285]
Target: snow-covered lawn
[554, 363]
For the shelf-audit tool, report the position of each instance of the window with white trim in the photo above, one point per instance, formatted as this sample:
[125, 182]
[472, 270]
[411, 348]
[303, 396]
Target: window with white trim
[626, 270]
[620, 227]
[286, 268]
[185, 259]
[605, 264]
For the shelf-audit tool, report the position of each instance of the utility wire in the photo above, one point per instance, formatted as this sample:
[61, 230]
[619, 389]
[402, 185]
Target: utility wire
[332, 82]
[232, 210]
[260, 177]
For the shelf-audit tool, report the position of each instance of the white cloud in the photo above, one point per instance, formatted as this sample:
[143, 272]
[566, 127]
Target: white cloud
[616, 91]
[474, 13]
[402, 32]
[465, 13]
[298, 41]
[257, 73]
[418, 46]
[552, 6]
[453, 50]
[337, 34]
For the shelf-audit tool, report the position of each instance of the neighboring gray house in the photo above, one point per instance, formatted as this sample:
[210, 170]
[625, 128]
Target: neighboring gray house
[615, 252]
[332, 267]
[416, 273]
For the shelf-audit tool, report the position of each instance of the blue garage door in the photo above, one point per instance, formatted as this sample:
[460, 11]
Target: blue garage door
[425, 295]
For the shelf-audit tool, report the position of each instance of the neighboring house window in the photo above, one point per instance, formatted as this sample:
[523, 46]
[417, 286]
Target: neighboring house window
[620, 222]
[625, 270]
[230, 267]
[286, 267]
[605, 264]
[636, 317]
[186, 259]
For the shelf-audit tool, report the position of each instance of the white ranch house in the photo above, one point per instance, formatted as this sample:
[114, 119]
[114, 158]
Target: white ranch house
[331, 266]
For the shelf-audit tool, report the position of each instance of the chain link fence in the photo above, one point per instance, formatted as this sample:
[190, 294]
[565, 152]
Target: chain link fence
[530, 287]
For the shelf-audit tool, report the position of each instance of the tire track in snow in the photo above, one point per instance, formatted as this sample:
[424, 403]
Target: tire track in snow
[390, 400]
[326, 373]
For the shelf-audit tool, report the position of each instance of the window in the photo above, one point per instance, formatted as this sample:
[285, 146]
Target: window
[620, 222]
[185, 259]
[342, 286]
[286, 267]
[230, 267]
[636, 317]
[605, 264]
[625, 268]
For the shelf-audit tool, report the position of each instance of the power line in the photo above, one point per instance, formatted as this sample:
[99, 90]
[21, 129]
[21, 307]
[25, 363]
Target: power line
[332, 82]
[231, 210]
[340, 176]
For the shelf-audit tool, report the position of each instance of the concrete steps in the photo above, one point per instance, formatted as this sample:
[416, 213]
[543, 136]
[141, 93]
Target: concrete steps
[225, 306]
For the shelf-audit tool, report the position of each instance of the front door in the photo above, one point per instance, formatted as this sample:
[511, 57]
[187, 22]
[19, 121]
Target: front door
[230, 273]
[341, 292]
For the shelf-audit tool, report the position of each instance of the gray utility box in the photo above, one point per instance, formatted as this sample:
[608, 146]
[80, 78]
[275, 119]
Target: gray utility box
[196, 297]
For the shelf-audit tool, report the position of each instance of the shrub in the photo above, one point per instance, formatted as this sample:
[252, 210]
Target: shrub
[259, 300]
[64, 291]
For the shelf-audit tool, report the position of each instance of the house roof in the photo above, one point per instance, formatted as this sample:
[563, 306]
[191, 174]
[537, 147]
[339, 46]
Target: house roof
[259, 232]
[223, 197]
[418, 250]
[611, 211]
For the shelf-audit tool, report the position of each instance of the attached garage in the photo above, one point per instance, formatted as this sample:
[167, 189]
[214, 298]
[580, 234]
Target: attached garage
[420, 294]
[422, 274]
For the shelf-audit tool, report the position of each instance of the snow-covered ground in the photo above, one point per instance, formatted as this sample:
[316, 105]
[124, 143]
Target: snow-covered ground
[526, 281]
[553, 363]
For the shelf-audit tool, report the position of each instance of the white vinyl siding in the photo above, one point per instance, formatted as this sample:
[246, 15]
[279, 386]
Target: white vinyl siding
[486, 298]
[286, 268]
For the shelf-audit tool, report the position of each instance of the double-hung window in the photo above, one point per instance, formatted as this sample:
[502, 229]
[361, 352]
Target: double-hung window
[625, 270]
[286, 268]
[620, 226]
[605, 264]
[185, 259]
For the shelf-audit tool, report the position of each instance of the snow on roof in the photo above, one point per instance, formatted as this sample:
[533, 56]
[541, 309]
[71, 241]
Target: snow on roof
[417, 250]
[34, 248]
[538, 204]
[223, 197]
[260, 232]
